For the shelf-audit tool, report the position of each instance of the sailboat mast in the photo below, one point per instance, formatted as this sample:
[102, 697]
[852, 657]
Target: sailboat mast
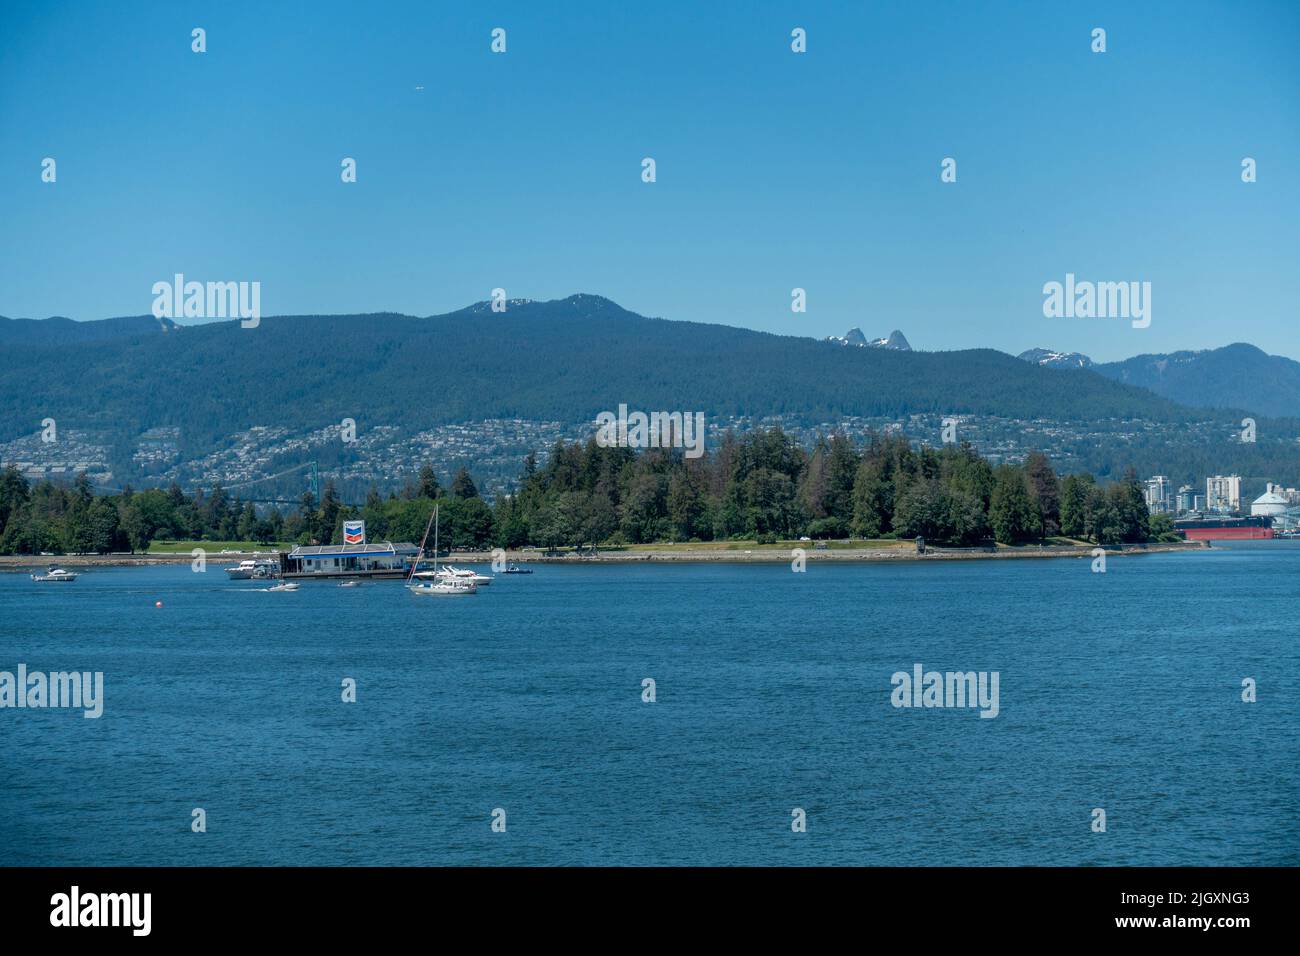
[416, 563]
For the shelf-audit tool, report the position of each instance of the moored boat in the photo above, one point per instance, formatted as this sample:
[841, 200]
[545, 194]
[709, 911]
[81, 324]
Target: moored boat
[253, 568]
[441, 587]
[1226, 528]
[462, 574]
[439, 582]
[55, 574]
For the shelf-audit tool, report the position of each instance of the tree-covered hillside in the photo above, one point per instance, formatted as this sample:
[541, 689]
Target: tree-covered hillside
[565, 360]
[1235, 376]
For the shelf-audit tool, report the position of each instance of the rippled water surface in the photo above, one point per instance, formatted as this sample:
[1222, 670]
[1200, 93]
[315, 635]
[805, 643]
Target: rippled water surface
[1120, 691]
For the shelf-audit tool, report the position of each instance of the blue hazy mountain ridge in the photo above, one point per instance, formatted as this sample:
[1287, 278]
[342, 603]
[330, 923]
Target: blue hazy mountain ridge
[562, 360]
[58, 330]
[1235, 376]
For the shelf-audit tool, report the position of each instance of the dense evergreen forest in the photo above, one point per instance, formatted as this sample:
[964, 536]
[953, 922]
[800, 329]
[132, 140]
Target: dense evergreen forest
[762, 486]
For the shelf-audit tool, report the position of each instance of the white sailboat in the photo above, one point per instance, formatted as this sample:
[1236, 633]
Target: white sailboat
[435, 583]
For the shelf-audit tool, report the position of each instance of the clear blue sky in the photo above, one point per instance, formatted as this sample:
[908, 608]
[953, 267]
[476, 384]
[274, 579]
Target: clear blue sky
[775, 170]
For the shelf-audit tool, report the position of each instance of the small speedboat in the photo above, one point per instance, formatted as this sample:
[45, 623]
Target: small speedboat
[285, 586]
[515, 569]
[55, 573]
[348, 584]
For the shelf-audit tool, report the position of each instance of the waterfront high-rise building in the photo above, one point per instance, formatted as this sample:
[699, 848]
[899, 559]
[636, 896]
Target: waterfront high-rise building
[1223, 493]
[1159, 495]
[1186, 499]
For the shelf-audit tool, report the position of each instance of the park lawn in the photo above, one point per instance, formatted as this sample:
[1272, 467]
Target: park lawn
[856, 544]
[215, 547]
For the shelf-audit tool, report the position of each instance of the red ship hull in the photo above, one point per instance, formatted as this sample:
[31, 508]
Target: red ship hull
[1227, 534]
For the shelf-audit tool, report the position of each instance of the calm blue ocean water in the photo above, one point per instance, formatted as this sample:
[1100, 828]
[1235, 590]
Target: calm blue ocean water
[1119, 691]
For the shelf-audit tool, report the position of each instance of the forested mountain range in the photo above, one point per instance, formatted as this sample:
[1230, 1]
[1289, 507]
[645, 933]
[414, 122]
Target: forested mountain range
[60, 331]
[564, 360]
[1238, 376]
[561, 361]
[1235, 376]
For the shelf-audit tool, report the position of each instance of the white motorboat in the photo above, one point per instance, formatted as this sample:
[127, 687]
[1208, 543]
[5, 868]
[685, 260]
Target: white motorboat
[453, 575]
[348, 584]
[464, 574]
[255, 568]
[241, 571]
[54, 573]
[285, 586]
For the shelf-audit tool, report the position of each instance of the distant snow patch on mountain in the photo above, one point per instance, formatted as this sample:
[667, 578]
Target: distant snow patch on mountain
[1056, 359]
[895, 340]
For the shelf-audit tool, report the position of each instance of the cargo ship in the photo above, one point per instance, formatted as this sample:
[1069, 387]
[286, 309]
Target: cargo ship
[1254, 528]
